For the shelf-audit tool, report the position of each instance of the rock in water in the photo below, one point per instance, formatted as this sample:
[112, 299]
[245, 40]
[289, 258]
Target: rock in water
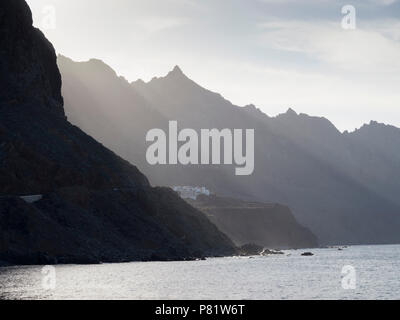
[250, 249]
[307, 254]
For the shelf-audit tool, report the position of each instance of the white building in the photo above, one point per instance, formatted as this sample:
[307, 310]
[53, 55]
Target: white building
[188, 192]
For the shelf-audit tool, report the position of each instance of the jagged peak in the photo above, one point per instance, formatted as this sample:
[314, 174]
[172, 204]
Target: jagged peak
[371, 124]
[251, 108]
[303, 118]
[176, 73]
[177, 69]
[375, 125]
[290, 111]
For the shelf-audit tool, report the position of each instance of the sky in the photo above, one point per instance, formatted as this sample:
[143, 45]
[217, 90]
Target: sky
[275, 54]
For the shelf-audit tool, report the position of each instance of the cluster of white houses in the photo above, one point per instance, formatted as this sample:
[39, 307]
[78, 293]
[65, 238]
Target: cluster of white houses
[187, 192]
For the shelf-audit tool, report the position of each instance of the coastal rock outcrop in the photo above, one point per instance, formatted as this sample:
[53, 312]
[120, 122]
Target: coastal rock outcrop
[268, 225]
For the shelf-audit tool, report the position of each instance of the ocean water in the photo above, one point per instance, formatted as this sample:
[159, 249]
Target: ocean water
[374, 274]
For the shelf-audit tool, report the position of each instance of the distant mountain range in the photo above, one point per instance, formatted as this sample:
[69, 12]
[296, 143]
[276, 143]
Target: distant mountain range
[87, 205]
[342, 186]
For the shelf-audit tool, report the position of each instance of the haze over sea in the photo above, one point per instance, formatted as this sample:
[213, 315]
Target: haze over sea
[288, 276]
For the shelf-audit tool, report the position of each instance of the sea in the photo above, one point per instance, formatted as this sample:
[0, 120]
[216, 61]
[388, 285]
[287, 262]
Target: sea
[355, 272]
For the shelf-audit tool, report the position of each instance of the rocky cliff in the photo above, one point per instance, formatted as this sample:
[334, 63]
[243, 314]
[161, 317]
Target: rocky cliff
[28, 70]
[269, 225]
[95, 206]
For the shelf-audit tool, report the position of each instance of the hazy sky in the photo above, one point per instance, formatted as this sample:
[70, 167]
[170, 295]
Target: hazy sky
[275, 54]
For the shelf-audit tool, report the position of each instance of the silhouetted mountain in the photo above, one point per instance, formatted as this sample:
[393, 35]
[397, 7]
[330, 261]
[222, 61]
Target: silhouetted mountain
[94, 206]
[21, 80]
[339, 185]
[269, 225]
[378, 158]
[121, 118]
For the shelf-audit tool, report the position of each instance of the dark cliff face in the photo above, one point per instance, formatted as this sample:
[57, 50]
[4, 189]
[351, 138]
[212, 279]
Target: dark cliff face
[269, 225]
[78, 225]
[28, 71]
[95, 206]
[40, 151]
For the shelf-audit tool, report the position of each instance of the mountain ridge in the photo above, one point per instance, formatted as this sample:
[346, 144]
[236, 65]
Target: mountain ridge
[339, 186]
[93, 206]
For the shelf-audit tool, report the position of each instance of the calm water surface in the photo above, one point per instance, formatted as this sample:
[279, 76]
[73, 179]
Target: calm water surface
[289, 276]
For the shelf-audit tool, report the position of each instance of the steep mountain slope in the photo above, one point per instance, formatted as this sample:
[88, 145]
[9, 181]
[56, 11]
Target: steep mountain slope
[268, 225]
[111, 111]
[369, 155]
[121, 118]
[378, 158]
[95, 206]
[304, 162]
